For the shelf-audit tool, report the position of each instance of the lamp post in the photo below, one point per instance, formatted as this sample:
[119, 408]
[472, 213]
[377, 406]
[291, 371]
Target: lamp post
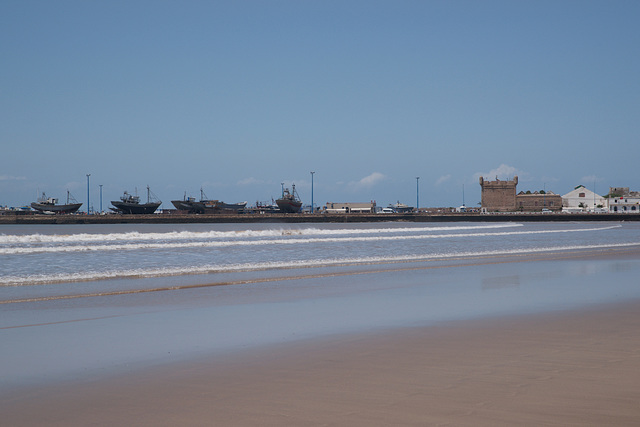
[312, 205]
[417, 194]
[100, 198]
[463, 205]
[88, 199]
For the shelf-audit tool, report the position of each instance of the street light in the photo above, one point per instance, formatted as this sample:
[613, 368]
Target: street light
[312, 205]
[88, 199]
[417, 194]
[100, 198]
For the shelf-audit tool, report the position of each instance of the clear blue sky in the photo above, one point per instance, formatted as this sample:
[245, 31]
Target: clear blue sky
[238, 96]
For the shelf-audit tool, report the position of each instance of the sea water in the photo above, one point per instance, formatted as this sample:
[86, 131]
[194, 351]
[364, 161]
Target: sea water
[81, 298]
[53, 255]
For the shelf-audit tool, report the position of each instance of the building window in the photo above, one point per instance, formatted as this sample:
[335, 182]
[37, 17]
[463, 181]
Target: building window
[581, 195]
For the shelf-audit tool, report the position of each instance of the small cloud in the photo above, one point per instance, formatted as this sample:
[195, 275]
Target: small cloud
[368, 181]
[443, 178]
[12, 178]
[501, 172]
[371, 179]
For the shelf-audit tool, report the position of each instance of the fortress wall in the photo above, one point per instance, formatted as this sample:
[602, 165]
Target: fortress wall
[499, 195]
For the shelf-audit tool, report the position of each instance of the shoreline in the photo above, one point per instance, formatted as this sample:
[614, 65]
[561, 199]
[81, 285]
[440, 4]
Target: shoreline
[574, 367]
[39, 219]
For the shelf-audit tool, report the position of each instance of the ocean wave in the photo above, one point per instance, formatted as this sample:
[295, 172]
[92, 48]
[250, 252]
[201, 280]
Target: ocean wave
[136, 236]
[275, 241]
[42, 279]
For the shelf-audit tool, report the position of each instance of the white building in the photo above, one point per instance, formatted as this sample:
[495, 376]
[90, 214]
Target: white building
[582, 199]
[621, 200]
[624, 204]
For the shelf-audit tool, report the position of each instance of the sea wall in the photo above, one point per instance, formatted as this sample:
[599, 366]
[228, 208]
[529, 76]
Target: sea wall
[307, 218]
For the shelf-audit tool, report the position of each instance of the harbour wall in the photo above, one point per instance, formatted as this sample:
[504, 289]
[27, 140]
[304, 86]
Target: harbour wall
[310, 218]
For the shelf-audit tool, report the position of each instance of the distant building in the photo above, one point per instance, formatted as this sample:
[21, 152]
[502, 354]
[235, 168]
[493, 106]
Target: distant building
[621, 200]
[498, 196]
[582, 199]
[622, 192]
[537, 201]
[624, 204]
[350, 207]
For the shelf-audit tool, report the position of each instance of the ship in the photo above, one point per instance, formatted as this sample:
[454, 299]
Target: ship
[130, 204]
[186, 204]
[289, 202]
[50, 205]
[207, 206]
[265, 207]
[401, 207]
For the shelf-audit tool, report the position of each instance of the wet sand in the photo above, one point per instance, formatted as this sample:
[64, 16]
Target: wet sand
[564, 368]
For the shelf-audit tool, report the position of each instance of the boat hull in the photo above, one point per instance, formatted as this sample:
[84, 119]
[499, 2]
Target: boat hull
[289, 206]
[135, 208]
[45, 207]
[208, 206]
[182, 205]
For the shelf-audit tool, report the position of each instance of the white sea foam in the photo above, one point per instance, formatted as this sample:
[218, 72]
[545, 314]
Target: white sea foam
[42, 279]
[135, 236]
[156, 245]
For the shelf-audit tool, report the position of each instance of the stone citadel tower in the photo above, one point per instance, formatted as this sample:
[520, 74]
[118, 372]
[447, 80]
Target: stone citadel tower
[499, 195]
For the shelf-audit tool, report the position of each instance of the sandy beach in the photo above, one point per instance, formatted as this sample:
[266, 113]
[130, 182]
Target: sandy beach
[566, 368]
[520, 325]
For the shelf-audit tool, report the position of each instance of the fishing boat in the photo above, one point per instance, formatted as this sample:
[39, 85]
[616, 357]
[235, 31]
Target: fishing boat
[186, 204]
[50, 205]
[130, 204]
[401, 207]
[206, 205]
[289, 202]
[265, 207]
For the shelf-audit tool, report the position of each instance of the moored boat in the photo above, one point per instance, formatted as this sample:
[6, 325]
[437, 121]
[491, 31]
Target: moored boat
[289, 202]
[130, 204]
[207, 206]
[264, 207]
[401, 207]
[186, 204]
[50, 205]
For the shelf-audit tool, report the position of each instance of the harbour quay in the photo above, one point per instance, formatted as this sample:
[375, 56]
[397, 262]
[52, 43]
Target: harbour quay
[311, 218]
